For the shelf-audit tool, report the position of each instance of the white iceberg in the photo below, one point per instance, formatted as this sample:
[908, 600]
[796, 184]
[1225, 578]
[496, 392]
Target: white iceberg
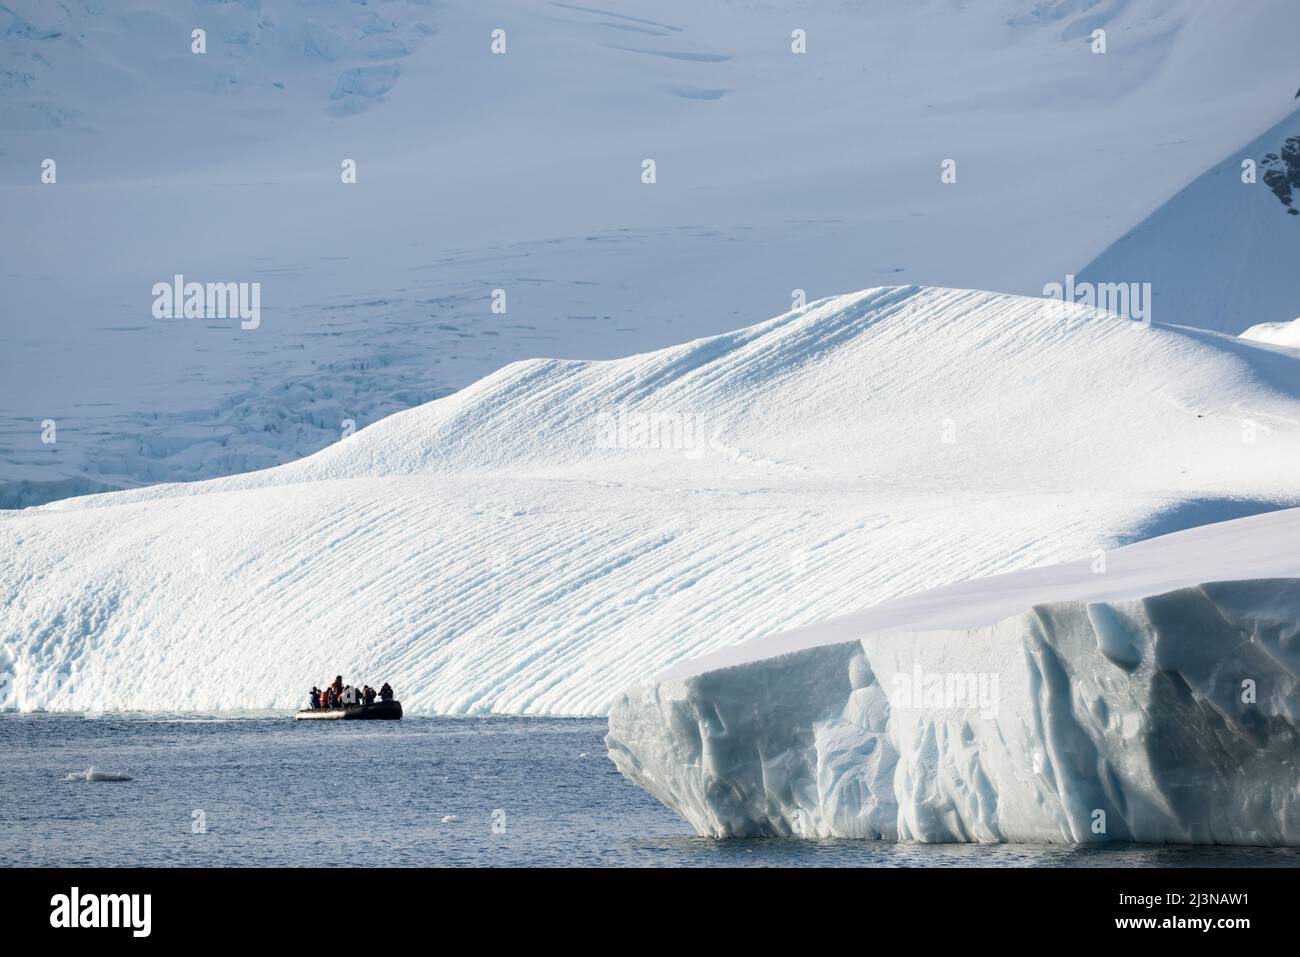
[1151, 695]
[90, 774]
[547, 536]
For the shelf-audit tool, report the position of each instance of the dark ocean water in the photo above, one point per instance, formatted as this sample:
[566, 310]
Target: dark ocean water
[519, 791]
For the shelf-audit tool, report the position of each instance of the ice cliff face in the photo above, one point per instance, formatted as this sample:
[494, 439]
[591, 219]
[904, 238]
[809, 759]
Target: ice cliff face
[1173, 717]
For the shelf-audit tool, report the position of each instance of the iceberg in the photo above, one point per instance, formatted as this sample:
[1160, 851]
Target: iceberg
[90, 774]
[549, 535]
[1154, 700]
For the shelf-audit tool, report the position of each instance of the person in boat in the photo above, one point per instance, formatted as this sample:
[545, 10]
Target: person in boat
[368, 694]
[386, 693]
[314, 697]
[338, 684]
[350, 696]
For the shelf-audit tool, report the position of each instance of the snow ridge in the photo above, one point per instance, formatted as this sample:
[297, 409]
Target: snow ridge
[560, 529]
[1278, 333]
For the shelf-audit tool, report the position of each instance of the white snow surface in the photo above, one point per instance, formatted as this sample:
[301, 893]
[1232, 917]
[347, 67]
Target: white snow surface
[776, 171]
[508, 549]
[1278, 333]
[1155, 699]
[1221, 253]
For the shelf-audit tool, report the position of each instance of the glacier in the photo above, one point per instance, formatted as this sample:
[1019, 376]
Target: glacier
[778, 172]
[549, 535]
[1154, 698]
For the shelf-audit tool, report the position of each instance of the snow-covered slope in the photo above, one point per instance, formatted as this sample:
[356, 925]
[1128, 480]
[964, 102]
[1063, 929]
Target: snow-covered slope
[522, 171]
[547, 536]
[1153, 698]
[1222, 253]
[1277, 333]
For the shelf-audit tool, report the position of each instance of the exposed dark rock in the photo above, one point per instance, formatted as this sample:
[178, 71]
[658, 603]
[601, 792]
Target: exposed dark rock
[1282, 173]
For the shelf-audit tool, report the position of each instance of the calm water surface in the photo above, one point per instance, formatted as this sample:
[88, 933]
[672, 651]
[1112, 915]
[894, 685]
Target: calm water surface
[275, 792]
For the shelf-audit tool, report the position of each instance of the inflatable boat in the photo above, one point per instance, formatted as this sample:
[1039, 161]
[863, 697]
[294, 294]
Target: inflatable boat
[379, 711]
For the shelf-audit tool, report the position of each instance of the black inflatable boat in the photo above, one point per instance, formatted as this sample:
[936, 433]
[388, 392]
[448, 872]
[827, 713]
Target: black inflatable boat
[379, 711]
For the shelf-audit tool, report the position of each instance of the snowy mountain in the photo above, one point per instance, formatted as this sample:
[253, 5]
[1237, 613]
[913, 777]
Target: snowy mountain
[521, 171]
[1221, 254]
[1154, 697]
[551, 534]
